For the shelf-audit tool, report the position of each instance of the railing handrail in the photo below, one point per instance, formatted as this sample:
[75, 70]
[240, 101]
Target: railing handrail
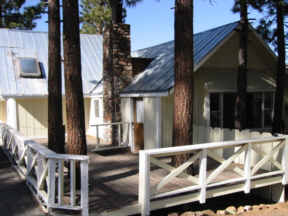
[223, 144]
[30, 155]
[108, 124]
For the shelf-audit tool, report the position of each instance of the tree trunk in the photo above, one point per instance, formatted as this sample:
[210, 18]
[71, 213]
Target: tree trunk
[240, 104]
[56, 133]
[278, 126]
[183, 72]
[117, 11]
[76, 140]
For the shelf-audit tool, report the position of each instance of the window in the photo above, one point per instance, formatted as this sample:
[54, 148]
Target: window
[215, 110]
[259, 110]
[29, 67]
[97, 108]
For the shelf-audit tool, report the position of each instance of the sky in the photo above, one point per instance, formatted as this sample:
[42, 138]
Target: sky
[152, 21]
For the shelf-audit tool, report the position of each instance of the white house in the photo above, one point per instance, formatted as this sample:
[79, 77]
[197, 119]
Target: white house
[149, 98]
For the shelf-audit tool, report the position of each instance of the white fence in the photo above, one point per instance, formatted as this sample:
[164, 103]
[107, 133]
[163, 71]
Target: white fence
[248, 172]
[51, 177]
[124, 133]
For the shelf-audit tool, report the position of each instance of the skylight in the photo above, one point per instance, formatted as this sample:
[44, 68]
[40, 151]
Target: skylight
[29, 67]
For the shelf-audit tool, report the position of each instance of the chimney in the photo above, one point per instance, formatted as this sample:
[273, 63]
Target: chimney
[117, 70]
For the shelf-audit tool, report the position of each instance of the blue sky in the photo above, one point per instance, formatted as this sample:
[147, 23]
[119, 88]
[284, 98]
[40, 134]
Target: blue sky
[152, 21]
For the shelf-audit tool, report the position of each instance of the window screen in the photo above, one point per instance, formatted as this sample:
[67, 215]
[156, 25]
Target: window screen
[97, 111]
[29, 67]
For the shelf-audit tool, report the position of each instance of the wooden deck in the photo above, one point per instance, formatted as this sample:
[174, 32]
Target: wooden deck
[114, 179]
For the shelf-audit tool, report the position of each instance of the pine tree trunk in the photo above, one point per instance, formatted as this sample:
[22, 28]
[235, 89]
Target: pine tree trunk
[184, 88]
[277, 121]
[240, 104]
[117, 11]
[76, 140]
[56, 133]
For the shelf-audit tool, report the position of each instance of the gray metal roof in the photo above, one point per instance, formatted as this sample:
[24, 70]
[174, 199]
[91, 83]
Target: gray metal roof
[19, 43]
[159, 75]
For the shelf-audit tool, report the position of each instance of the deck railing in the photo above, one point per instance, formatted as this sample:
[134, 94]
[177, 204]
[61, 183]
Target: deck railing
[124, 137]
[207, 182]
[51, 177]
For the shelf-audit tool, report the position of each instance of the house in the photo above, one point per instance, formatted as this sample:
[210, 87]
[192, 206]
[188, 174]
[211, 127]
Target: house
[148, 100]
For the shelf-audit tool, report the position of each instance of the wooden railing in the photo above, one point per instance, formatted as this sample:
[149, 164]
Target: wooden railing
[208, 182]
[123, 139]
[51, 177]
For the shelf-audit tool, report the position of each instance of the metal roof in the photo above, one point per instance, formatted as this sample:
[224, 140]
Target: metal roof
[19, 43]
[159, 75]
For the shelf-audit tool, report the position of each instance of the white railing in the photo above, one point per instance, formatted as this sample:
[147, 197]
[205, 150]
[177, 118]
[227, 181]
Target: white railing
[124, 135]
[51, 177]
[207, 183]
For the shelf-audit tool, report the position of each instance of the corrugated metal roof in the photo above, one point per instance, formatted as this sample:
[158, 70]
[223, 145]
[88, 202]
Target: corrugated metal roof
[159, 75]
[20, 43]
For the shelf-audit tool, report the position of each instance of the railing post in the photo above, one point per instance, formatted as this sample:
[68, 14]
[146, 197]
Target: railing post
[203, 176]
[84, 188]
[144, 183]
[119, 134]
[97, 136]
[51, 183]
[60, 181]
[247, 169]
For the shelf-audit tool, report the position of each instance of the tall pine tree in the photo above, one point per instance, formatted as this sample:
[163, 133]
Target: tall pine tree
[183, 76]
[76, 139]
[14, 15]
[56, 133]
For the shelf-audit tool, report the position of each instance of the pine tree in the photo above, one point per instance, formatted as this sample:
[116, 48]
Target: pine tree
[56, 133]
[183, 75]
[76, 139]
[14, 15]
[240, 103]
[95, 15]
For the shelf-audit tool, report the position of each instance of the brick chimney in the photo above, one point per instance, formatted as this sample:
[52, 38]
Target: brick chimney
[117, 71]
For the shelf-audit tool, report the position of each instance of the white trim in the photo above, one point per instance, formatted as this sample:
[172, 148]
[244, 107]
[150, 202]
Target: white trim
[151, 94]
[131, 126]
[12, 115]
[211, 53]
[158, 123]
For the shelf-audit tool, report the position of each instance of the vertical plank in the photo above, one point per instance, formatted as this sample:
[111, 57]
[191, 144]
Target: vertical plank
[84, 188]
[285, 162]
[60, 182]
[203, 176]
[72, 182]
[29, 160]
[119, 134]
[144, 183]
[247, 169]
[51, 182]
[97, 136]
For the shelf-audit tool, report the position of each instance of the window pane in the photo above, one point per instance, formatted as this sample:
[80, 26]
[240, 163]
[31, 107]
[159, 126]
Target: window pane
[254, 110]
[215, 112]
[268, 101]
[268, 118]
[29, 65]
[97, 112]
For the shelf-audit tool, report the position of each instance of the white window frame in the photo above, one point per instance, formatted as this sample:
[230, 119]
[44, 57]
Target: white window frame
[22, 74]
[262, 107]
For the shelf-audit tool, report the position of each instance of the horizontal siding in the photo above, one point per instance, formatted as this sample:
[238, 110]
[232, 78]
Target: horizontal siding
[3, 111]
[33, 116]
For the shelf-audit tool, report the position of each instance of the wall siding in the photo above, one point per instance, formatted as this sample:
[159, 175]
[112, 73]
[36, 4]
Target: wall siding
[3, 111]
[33, 116]
[149, 123]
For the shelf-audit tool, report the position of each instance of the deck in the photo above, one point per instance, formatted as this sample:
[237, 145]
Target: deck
[114, 177]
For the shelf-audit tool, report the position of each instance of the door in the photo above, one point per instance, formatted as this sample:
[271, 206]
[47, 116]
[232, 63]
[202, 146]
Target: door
[138, 124]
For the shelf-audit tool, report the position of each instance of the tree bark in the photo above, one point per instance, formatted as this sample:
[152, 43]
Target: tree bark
[183, 72]
[278, 126]
[76, 139]
[117, 11]
[56, 133]
[240, 104]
